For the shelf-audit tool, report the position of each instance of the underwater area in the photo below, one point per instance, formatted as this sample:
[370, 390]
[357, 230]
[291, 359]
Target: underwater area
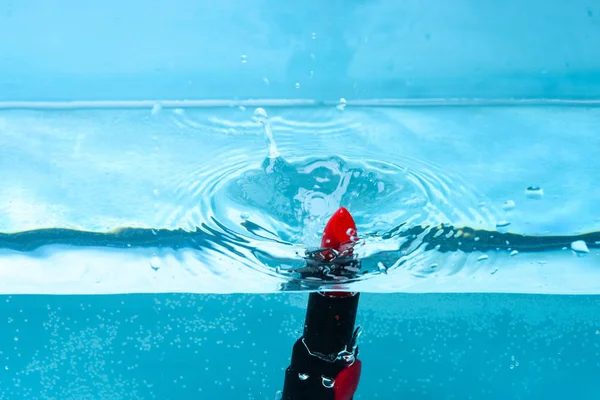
[167, 171]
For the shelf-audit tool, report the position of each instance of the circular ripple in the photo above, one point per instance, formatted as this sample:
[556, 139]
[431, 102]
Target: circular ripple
[277, 210]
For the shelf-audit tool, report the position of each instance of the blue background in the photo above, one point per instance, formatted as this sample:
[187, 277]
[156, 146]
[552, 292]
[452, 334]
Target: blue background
[181, 49]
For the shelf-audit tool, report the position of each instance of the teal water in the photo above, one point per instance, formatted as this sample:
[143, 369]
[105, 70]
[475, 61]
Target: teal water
[182, 346]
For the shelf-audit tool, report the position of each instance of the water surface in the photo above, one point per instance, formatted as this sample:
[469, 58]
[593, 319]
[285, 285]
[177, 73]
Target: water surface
[163, 199]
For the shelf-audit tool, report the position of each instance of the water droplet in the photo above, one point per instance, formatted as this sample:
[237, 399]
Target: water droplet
[327, 382]
[302, 376]
[514, 253]
[155, 262]
[342, 105]
[260, 114]
[156, 108]
[534, 192]
[244, 59]
[508, 205]
[382, 267]
[483, 257]
[579, 247]
[350, 232]
[297, 85]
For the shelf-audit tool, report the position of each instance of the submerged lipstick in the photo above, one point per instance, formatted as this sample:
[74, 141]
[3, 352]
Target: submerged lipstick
[324, 364]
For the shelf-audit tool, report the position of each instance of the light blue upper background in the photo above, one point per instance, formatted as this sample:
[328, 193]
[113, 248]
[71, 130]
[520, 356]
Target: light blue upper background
[184, 49]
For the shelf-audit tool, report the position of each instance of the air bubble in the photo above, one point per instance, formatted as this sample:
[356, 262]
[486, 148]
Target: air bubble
[302, 376]
[327, 382]
[179, 111]
[342, 104]
[514, 253]
[244, 59]
[512, 366]
[297, 85]
[313, 35]
[244, 216]
[534, 192]
[483, 258]
[382, 268]
[494, 271]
